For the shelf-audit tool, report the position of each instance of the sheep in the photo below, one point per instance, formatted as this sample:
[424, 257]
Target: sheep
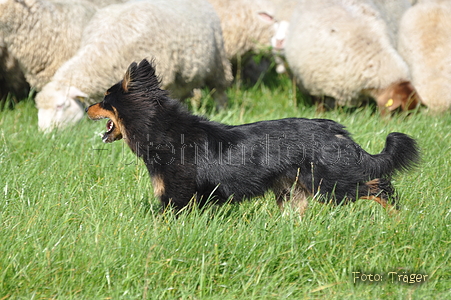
[341, 49]
[43, 34]
[242, 29]
[392, 11]
[245, 34]
[277, 13]
[425, 44]
[184, 38]
[281, 11]
[12, 80]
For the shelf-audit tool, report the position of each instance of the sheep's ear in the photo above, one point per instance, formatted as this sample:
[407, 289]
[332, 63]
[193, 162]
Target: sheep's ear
[266, 17]
[128, 77]
[76, 94]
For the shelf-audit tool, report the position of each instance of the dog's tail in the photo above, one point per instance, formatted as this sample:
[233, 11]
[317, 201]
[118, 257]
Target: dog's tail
[401, 153]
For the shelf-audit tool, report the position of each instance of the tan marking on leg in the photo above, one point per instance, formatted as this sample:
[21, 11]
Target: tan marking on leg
[379, 200]
[391, 209]
[293, 194]
[158, 185]
[299, 201]
[373, 186]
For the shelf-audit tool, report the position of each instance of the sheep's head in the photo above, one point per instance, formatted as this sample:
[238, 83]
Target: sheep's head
[59, 106]
[278, 38]
[280, 30]
[398, 95]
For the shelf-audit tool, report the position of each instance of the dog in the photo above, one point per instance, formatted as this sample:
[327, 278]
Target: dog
[192, 159]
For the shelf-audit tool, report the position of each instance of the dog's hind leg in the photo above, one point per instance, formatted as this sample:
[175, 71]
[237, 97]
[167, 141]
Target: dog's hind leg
[383, 202]
[381, 191]
[296, 196]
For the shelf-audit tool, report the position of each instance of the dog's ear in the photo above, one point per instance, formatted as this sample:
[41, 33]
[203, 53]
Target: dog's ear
[128, 77]
[140, 76]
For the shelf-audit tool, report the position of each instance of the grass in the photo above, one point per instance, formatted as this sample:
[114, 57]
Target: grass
[78, 220]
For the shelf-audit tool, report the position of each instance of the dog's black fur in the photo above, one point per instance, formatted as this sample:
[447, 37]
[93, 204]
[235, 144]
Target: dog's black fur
[191, 158]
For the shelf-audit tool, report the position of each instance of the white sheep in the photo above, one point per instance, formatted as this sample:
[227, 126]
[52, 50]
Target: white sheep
[43, 34]
[242, 29]
[341, 49]
[245, 34]
[392, 11]
[281, 12]
[12, 80]
[425, 44]
[184, 37]
[278, 13]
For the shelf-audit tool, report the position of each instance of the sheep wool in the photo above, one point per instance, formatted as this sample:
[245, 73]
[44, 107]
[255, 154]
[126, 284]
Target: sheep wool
[391, 11]
[244, 35]
[425, 44]
[43, 34]
[341, 49]
[183, 37]
[12, 80]
[242, 29]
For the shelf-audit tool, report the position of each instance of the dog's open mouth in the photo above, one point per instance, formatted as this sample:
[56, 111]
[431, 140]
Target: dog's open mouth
[109, 129]
[113, 125]
[109, 126]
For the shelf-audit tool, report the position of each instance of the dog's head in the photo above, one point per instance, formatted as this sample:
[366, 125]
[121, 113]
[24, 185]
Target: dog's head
[129, 103]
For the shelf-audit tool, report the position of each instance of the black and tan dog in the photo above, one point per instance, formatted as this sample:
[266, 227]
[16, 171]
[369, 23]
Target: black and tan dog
[190, 158]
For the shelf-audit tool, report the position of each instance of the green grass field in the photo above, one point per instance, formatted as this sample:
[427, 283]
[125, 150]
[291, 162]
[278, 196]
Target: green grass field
[78, 220]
